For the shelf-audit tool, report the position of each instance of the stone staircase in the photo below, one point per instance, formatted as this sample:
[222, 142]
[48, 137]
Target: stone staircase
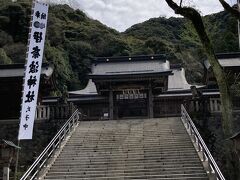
[128, 149]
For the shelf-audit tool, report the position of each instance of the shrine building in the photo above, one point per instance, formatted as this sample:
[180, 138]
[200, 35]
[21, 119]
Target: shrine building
[11, 82]
[122, 88]
[132, 87]
[146, 86]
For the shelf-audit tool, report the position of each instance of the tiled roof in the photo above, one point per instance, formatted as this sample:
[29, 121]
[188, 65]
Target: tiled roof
[226, 60]
[90, 89]
[17, 70]
[130, 67]
[178, 82]
[161, 57]
[230, 62]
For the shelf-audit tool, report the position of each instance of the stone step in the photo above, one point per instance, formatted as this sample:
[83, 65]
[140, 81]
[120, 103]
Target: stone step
[151, 168]
[113, 162]
[157, 145]
[129, 163]
[129, 141]
[104, 132]
[138, 157]
[121, 178]
[128, 151]
[163, 144]
[131, 149]
[118, 156]
[121, 173]
[123, 167]
[199, 175]
[117, 143]
[126, 142]
[134, 135]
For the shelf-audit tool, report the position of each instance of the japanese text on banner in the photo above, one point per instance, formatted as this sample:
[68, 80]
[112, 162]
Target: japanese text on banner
[33, 69]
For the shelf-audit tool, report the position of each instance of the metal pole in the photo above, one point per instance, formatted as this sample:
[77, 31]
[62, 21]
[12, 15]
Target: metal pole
[16, 165]
[238, 2]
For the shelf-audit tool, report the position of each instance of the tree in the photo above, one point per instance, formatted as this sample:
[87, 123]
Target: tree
[224, 88]
[196, 19]
[234, 11]
[4, 59]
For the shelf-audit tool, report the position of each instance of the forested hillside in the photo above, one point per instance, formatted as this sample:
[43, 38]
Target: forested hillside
[178, 39]
[73, 39]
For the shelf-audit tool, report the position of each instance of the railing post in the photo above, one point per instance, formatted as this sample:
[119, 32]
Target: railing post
[60, 141]
[211, 104]
[68, 126]
[48, 112]
[215, 105]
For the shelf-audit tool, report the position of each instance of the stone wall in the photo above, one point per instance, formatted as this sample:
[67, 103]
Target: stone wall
[212, 133]
[44, 131]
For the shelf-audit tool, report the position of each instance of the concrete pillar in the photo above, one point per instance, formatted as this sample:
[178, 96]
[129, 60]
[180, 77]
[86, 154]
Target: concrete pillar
[215, 105]
[150, 102]
[6, 172]
[110, 104]
[211, 105]
[197, 105]
[48, 112]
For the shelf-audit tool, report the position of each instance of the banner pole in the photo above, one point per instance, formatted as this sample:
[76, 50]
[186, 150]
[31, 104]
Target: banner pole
[16, 165]
[238, 4]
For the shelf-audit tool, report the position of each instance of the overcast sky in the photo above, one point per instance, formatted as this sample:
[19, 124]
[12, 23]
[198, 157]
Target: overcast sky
[122, 14]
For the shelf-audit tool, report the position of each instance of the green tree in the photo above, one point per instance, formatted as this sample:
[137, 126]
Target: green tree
[157, 45]
[16, 51]
[4, 59]
[62, 69]
[18, 24]
[79, 54]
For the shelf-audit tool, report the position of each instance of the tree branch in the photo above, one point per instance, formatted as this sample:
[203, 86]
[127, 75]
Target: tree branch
[196, 19]
[235, 12]
[181, 3]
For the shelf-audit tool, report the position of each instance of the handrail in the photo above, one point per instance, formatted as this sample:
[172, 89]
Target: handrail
[201, 146]
[35, 168]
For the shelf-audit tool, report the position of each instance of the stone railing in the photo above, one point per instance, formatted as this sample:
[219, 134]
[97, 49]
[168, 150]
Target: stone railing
[194, 106]
[46, 112]
[42, 112]
[215, 104]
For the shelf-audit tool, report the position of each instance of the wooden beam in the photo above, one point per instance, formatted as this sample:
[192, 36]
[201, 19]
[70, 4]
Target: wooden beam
[150, 101]
[111, 104]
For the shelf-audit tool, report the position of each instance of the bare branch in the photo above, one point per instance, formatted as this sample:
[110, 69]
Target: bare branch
[195, 18]
[234, 11]
[181, 3]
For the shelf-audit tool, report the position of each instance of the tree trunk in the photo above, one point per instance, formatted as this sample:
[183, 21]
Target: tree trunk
[226, 101]
[233, 11]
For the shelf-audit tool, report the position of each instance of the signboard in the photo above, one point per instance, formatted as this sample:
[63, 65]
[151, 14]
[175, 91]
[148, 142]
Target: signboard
[131, 94]
[33, 69]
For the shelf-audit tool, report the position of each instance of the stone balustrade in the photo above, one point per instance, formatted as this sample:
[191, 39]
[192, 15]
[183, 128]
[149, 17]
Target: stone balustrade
[215, 104]
[46, 112]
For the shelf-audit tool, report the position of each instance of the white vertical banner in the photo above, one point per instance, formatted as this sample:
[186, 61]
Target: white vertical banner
[33, 69]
